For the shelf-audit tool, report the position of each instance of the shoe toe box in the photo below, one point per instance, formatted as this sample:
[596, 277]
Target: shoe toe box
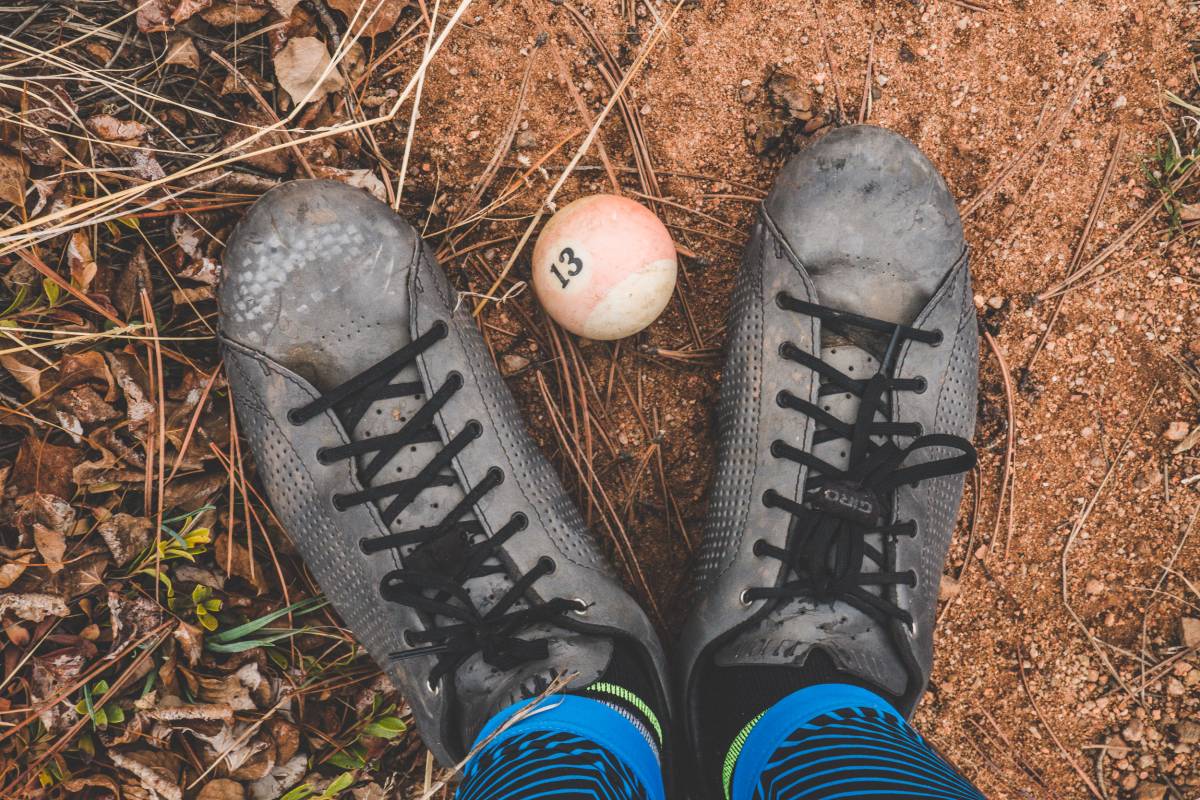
[316, 278]
[871, 220]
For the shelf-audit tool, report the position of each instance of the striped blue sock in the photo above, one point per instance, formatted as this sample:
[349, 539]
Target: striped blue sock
[838, 741]
[567, 748]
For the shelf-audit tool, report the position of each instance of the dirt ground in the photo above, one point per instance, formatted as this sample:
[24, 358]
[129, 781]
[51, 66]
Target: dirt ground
[1062, 667]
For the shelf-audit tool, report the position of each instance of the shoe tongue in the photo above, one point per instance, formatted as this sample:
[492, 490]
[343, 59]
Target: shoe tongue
[853, 640]
[574, 661]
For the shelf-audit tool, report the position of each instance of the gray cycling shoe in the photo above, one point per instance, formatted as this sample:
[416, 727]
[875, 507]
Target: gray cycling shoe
[397, 461]
[847, 402]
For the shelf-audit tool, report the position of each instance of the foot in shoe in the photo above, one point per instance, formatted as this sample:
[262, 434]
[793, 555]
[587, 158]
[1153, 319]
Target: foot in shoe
[847, 404]
[396, 459]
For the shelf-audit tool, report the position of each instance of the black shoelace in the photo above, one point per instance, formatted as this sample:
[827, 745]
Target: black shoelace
[450, 553]
[827, 547]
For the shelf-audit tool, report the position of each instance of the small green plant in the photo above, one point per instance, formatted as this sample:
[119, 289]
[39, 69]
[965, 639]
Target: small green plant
[101, 717]
[381, 723]
[255, 633]
[1162, 168]
[305, 791]
[206, 606]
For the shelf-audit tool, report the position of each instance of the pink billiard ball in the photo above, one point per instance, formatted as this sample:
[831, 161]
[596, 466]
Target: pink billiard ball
[604, 267]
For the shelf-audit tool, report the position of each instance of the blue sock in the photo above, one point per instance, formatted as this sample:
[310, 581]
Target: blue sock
[838, 741]
[568, 747]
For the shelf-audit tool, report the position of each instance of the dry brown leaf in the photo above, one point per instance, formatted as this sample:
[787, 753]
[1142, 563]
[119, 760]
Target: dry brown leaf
[277, 162]
[126, 535]
[182, 51]
[240, 82]
[173, 710]
[205, 271]
[88, 366]
[131, 282]
[240, 564]
[285, 7]
[51, 544]
[111, 129]
[192, 294]
[364, 179]
[85, 405]
[232, 690]
[80, 576]
[281, 778]
[131, 616]
[49, 675]
[45, 468]
[12, 564]
[27, 375]
[286, 737]
[131, 378]
[78, 785]
[374, 16]
[299, 68]
[43, 509]
[222, 789]
[1189, 212]
[157, 771]
[191, 641]
[222, 15]
[33, 606]
[14, 178]
[79, 257]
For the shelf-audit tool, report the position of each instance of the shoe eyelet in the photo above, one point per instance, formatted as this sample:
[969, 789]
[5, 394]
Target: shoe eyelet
[440, 329]
[768, 498]
[495, 475]
[920, 431]
[323, 456]
[521, 520]
[744, 598]
[339, 503]
[760, 547]
[781, 298]
[293, 416]
[781, 398]
[548, 565]
[581, 606]
[922, 384]
[406, 637]
[362, 545]
[474, 428]
[938, 337]
[777, 448]
[456, 378]
[434, 688]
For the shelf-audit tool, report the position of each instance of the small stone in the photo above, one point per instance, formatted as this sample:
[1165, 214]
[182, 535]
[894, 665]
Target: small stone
[1094, 587]
[526, 140]
[1134, 732]
[996, 302]
[949, 588]
[1177, 431]
[514, 363]
[1150, 791]
[1189, 631]
[1120, 102]
[1175, 688]
[1116, 747]
[1129, 781]
[472, 135]
[1194, 347]
[1188, 731]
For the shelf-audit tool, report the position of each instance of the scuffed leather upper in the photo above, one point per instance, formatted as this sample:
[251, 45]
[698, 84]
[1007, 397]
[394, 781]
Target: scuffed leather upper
[321, 281]
[861, 222]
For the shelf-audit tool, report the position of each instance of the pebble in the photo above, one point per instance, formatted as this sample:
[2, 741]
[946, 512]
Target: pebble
[1188, 731]
[1134, 732]
[949, 588]
[1189, 631]
[1150, 791]
[514, 363]
[1177, 431]
[1120, 102]
[1094, 587]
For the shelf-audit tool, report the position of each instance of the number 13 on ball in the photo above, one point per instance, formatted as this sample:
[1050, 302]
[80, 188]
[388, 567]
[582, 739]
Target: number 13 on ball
[604, 267]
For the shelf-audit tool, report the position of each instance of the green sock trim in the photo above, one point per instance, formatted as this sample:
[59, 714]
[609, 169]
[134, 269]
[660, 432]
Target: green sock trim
[626, 696]
[735, 750]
